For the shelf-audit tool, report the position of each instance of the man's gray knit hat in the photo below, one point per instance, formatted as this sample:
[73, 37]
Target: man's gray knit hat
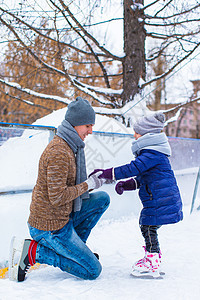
[152, 123]
[80, 112]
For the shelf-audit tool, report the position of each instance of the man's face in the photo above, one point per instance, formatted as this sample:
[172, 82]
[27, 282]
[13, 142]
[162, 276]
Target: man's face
[84, 130]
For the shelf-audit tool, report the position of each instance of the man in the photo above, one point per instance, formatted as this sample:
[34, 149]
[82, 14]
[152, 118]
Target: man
[62, 211]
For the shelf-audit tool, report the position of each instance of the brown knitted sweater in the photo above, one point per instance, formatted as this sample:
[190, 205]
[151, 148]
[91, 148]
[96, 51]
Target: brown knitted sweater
[55, 189]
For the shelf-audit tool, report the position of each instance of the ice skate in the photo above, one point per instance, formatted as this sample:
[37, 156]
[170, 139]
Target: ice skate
[148, 267]
[18, 259]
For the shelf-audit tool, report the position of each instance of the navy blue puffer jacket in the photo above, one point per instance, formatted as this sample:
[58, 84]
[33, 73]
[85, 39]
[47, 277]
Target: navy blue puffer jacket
[158, 192]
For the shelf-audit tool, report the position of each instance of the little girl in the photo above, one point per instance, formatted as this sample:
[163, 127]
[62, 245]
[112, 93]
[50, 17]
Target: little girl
[158, 190]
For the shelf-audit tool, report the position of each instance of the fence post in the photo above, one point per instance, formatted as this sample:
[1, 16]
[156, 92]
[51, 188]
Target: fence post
[52, 132]
[195, 191]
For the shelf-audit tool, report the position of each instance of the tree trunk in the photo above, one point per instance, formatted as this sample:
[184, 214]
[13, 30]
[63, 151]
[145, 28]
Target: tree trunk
[134, 48]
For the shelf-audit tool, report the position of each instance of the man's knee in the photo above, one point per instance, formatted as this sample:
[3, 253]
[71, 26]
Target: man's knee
[104, 199]
[95, 272]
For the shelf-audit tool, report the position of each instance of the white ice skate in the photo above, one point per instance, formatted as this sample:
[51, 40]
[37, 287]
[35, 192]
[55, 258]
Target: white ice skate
[18, 259]
[148, 267]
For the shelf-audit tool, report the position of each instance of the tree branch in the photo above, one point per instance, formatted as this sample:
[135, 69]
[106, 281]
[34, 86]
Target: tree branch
[27, 102]
[95, 76]
[102, 91]
[159, 52]
[174, 15]
[175, 109]
[75, 82]
[163, 8]
[170, 70]
[30, 92]
[49, 38]
[166, 36]
[108, 53]
[171, 24]
[149, 5]
[83, 38]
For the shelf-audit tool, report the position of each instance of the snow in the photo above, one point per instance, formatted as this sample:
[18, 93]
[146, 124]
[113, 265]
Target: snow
[137, 6]
[36, 94]
[116, 237]
[118, 243]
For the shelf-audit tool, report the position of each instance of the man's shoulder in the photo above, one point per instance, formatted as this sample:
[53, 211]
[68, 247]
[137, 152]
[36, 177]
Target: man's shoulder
[58, 145]
[59, 142]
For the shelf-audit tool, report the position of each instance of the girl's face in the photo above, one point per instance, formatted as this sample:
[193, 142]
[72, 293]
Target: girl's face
[137, 135]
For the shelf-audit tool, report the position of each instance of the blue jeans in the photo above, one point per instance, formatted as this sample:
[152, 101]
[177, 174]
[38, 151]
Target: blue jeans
[66, 248]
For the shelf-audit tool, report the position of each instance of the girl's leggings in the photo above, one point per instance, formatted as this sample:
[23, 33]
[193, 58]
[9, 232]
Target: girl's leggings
[150, 235]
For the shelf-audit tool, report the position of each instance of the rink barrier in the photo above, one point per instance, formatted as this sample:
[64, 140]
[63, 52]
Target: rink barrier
[195, 192]
[16, 192]
[52, 131]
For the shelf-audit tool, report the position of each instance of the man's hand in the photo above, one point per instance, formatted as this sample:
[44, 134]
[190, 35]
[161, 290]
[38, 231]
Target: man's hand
[94, 182]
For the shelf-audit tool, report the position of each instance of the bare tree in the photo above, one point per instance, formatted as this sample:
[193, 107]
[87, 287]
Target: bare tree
[153, 29]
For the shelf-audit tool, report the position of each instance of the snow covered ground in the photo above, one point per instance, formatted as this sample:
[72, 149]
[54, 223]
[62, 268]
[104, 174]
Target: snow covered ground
[119, 244]
[116, 237]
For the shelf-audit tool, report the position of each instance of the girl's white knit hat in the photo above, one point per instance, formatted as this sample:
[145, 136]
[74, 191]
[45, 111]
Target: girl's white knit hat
[152, 123]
